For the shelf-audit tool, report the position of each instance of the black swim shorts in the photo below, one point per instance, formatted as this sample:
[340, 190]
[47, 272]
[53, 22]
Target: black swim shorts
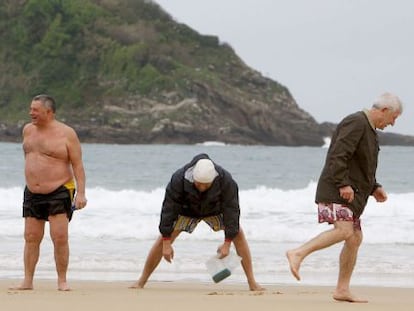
[41, 206]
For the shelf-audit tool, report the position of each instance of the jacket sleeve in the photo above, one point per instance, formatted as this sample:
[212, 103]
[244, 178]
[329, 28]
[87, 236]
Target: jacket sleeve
[231, 208]
[171, 205]
[349, 134]
[376, 185]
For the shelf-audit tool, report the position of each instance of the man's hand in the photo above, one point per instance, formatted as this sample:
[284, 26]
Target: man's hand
[167, 250]
[380, 195]
[224, 249]
[80, 201]
[347, 193]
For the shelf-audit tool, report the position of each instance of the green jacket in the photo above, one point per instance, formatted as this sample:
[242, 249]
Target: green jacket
[351, 160]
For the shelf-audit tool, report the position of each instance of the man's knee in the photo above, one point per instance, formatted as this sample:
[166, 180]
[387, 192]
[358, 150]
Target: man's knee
[59, 238]
[33, 231]
[33, 237]
[355, 239]
[240, 233]
[345, 229]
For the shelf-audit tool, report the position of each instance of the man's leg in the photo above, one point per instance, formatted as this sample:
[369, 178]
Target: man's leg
[342, 231]
[347, 262]
[242, 249]
[153, 259]
[59, 234]
[33, 235]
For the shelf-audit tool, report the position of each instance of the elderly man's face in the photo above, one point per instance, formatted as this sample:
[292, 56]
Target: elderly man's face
[388, 117]
[38, 112]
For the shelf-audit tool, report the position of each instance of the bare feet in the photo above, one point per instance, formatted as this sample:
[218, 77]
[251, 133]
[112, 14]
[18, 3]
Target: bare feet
[348, 297]
[294, 263]
[63, 286]
[137, 284]
[255, 287]
[22, 287]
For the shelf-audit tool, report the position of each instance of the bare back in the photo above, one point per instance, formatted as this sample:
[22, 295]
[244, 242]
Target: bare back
[47, 158]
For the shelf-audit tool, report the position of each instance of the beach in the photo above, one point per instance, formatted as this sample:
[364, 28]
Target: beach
[110, 239]
[178, 296]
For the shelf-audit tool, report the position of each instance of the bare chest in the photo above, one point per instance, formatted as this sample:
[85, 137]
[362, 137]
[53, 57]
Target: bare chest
[48, 145]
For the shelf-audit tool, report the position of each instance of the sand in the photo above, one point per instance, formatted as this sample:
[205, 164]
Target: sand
[179, 296]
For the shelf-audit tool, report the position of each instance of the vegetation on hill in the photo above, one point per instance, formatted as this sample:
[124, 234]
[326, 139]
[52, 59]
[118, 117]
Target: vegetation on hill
[123, 71]
[80, 50]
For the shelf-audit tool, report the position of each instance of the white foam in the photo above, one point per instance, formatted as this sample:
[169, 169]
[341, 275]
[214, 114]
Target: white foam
[266, 215]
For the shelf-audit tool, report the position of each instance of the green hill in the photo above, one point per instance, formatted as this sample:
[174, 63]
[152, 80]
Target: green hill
[80, 50]
[123, 71]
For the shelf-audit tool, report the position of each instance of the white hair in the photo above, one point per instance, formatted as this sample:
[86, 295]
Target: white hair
[390, 101]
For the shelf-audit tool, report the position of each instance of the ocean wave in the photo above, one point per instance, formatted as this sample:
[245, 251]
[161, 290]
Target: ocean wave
[266, 215]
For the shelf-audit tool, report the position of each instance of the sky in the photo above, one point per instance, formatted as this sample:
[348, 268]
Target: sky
[335, 56]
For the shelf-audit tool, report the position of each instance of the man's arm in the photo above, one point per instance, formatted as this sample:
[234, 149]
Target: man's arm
[75, 158]
[169, 214]
[171, 205]
[348, 137]
[231, 213]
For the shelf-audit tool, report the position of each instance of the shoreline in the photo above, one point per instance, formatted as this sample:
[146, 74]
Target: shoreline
[179, 295]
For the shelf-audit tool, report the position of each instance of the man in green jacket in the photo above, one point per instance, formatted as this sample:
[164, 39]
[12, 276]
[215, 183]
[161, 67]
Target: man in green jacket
[346, 182]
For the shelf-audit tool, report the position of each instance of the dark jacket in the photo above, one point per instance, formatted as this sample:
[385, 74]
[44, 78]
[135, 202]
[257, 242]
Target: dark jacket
[182, 198]
[351, 160]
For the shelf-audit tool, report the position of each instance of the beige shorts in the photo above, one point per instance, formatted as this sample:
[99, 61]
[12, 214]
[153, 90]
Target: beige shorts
[188, 224]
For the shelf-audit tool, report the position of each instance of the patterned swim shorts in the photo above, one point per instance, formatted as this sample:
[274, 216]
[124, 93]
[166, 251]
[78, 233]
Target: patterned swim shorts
[188, 224]
[331, 212]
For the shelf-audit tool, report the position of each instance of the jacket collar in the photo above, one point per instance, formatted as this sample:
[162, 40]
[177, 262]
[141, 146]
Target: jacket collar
[369, 119]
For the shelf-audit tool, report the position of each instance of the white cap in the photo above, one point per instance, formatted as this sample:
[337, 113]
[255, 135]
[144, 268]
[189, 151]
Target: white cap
[204, 171]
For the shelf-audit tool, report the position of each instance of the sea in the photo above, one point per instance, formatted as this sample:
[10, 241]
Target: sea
[111, 237]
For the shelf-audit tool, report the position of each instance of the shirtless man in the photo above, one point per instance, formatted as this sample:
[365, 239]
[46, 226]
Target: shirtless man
[53, 167]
